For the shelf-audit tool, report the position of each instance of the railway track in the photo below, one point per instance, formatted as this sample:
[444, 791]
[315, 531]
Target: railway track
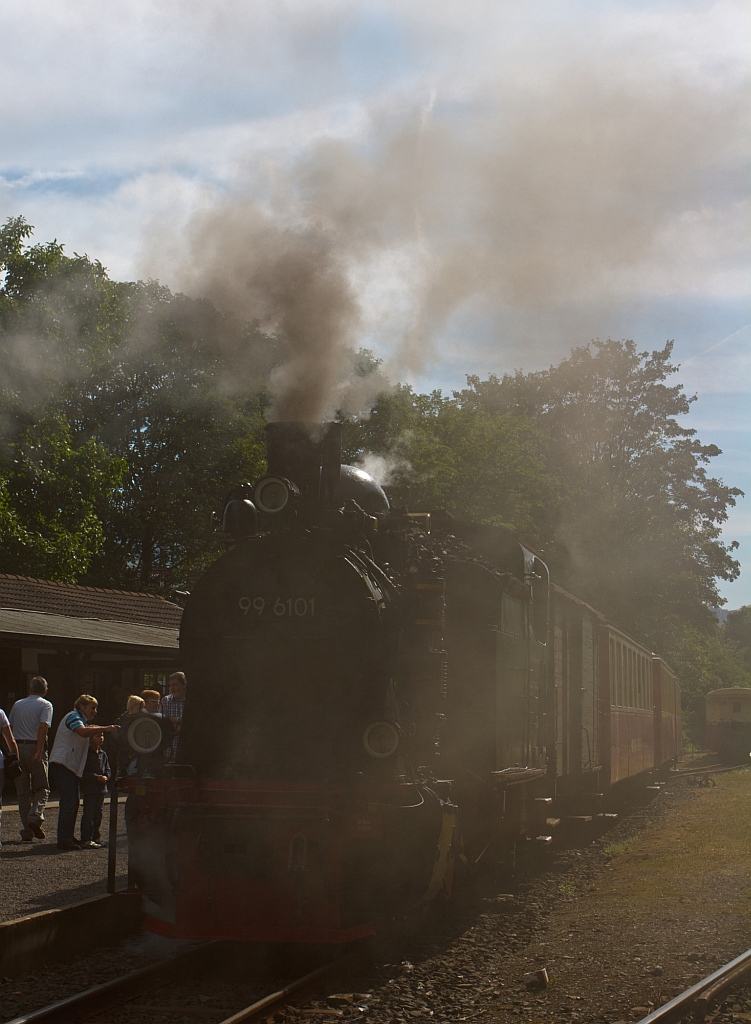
[122, 999]
[697, 1000]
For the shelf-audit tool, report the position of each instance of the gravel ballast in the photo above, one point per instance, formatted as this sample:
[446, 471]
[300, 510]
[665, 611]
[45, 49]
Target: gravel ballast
[621, 923]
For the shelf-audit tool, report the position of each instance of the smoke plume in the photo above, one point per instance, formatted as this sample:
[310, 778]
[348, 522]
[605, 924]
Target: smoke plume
[590, 187]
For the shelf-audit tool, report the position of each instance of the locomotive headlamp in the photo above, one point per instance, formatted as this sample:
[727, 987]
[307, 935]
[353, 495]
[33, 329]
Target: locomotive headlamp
[273, 494]
[381, 739]
[145, 734]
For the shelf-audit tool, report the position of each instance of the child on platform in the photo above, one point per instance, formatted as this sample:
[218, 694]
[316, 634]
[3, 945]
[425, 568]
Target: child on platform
[96, 775]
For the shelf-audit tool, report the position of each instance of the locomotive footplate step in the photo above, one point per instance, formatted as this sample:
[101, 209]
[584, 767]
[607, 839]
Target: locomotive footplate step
[608, 817]
[579, 819]
[552, 822]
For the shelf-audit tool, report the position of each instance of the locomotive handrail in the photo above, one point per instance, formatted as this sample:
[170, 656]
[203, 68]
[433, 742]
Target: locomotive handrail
[516, 776]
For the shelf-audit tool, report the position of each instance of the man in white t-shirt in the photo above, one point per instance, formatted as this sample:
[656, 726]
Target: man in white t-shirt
[30, 720]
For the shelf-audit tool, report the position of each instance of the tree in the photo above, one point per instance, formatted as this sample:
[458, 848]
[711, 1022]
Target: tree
[49, 493]
[637, 532]
[170, 388]
[736, 632]
[433, 454]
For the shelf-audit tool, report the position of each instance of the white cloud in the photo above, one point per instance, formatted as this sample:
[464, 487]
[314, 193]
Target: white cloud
[723, 367]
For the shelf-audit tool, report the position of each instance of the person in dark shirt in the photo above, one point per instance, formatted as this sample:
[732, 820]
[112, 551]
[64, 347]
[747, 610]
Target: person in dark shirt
[96, 775]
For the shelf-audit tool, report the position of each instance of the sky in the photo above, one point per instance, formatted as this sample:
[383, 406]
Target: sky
[487, 183]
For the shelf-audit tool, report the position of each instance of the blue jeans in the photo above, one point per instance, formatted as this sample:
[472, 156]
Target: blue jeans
[67, 787]
[91, 816]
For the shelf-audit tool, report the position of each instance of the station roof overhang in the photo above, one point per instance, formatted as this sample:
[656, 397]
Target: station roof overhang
[24, 628]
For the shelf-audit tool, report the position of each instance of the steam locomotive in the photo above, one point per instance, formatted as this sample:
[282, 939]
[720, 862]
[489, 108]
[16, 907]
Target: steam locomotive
[379, 700]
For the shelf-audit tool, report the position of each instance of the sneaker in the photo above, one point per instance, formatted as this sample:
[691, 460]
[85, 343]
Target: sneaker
[68, 846]
[91, 845]
[38, 831]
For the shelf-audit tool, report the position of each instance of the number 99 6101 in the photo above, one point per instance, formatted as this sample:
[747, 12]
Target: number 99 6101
[277, 607]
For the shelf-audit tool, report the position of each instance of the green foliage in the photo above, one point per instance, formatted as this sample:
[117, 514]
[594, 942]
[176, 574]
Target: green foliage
[49, 493]
[165, 385]
[488, 469]
[737, 633]
[637, 532]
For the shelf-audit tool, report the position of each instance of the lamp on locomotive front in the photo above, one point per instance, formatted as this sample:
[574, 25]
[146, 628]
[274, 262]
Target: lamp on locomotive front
[273, 494]
[381, 739]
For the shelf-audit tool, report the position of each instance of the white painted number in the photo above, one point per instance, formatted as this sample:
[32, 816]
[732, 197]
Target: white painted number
[282, 606]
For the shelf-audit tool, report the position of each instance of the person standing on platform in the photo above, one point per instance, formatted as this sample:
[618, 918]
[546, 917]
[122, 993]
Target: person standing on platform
[152, 700]
[8, 746]
[68, 761]
[126, 758]
[30, 720]
[173, 707]
[96, 775]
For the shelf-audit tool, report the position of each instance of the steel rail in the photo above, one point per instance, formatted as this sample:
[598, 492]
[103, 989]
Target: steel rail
[99, 998]
[703, 993]
[295, 988]
[704, 772]
[103, 998]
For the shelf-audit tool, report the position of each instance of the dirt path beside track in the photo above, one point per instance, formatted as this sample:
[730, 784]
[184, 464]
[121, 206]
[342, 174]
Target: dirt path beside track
[621, 925]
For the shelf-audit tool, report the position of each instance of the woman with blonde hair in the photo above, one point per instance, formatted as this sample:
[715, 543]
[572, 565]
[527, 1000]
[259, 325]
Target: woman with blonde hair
[67, 762]
[125, 757]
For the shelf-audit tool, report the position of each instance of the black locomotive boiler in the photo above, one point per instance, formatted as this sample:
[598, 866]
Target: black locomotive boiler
[377, 700]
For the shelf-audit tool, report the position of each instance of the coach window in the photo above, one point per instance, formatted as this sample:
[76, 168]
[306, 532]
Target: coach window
[617, 673]
[630, 665]
[635, 663]
[621, 680]
[635, 677]
[648, 682]
[639, 686]
[635, 672]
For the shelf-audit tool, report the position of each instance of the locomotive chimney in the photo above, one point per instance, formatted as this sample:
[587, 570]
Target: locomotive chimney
[309, 455]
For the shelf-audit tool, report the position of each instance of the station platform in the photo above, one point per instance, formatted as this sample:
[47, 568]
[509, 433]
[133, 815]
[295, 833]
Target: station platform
[37, 876]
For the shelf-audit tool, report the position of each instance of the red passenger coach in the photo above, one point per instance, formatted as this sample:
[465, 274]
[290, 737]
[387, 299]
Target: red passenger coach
[627, 691]
[668, 732]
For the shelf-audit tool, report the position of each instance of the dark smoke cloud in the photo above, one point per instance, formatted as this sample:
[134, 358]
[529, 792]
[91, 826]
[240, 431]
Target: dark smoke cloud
[292, 279]
[578, 191]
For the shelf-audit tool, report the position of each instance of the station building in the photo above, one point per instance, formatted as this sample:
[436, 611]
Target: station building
[109, 643]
